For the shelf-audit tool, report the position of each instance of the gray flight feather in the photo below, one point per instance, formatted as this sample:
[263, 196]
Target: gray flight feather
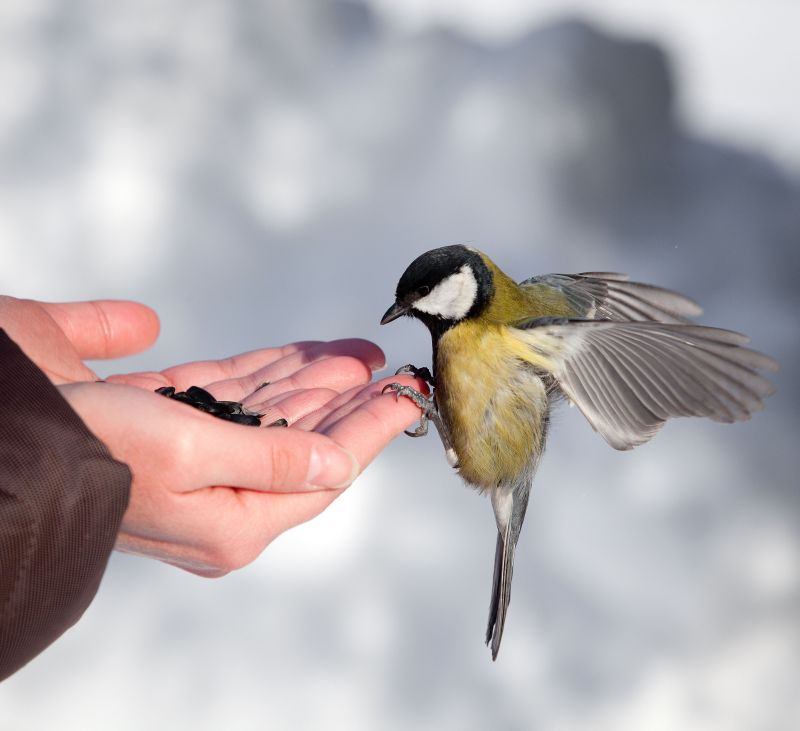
[628, 378]
[610, 296]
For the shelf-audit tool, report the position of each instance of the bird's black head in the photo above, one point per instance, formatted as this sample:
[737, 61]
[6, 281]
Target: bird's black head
[442, 287]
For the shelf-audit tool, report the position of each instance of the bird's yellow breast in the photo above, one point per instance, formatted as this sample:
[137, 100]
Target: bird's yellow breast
[492, 399]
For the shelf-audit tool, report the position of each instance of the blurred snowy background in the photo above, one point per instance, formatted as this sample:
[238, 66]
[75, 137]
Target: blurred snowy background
[262, 172]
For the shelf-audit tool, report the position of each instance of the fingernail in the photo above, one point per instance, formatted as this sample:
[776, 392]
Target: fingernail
[378, 365]
[331, 468]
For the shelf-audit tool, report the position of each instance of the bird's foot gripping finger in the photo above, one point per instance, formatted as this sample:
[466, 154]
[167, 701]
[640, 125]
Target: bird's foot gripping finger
[420, 399]
[421, 430]
[411, 370]
[426, 403]
[429, 413]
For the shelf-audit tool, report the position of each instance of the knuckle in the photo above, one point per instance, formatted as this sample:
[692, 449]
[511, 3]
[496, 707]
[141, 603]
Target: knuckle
[283, 463]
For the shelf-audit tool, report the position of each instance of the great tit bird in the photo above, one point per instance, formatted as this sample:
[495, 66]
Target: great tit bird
[622, 352]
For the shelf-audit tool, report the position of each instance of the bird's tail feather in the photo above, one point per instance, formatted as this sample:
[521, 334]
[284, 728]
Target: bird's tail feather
[501, 588]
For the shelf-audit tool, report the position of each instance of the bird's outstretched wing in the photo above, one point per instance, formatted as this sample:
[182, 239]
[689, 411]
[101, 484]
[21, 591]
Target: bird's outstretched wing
[628, 378]
[610, 296]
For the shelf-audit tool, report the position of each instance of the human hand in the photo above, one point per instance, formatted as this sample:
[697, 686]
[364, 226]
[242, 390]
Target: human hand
[57, 337]
[208, 495]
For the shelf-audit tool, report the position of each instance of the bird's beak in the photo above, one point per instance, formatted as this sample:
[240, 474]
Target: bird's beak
[395, 311]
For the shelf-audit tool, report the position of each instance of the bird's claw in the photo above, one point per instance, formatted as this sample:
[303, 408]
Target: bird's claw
[411, 370]
[430, 412]
[420, 399]
[425, 403]
[421, 430]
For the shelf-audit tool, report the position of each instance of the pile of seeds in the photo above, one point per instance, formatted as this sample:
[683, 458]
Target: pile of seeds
[201, 399]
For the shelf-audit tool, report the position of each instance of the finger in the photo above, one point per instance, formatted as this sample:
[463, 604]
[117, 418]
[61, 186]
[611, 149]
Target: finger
[209, 371]
[253, 369]
[292, 406]
[338, 373]
[354, 361]
[105, 328]
[273, 460]
[206, 371]
[364, 350]
[352, 399]
[377, 419]
[335, 374]
[366, 423]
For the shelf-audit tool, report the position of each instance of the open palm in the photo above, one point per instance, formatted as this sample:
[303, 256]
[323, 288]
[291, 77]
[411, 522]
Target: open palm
[209, 495]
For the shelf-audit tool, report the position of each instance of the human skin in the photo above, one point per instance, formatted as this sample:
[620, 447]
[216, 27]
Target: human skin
[209, 495]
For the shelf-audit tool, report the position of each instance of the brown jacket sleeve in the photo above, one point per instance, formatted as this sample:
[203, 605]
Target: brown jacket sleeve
[62, 497]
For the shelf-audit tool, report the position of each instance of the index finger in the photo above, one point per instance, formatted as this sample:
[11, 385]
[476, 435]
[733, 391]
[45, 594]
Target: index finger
[366, 420]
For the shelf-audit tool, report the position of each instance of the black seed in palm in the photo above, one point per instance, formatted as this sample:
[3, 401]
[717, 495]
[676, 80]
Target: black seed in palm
[200, 394]
[202, 400]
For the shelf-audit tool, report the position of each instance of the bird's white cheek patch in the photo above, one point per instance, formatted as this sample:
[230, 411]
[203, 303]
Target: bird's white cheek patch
[453, 297]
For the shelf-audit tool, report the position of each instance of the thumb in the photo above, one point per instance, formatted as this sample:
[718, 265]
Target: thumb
[105, 328]
[274, 459]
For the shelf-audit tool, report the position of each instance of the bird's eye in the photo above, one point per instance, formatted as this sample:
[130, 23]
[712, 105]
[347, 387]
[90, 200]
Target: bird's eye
[423, 290]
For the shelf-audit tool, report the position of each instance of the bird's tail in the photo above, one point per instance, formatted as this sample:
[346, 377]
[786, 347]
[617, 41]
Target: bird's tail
[501, 587]
[510, 502]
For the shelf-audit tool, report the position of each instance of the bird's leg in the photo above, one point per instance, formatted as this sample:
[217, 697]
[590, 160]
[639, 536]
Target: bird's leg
[430, 412]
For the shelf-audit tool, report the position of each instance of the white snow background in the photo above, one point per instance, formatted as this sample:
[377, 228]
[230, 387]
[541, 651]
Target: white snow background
[262, 172]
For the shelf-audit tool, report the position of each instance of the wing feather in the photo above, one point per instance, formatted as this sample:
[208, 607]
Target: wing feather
[628, 378]
[610, 296]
